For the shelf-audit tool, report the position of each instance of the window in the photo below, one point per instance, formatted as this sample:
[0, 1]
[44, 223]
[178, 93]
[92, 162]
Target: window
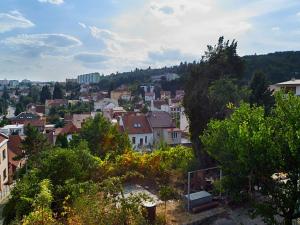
[133, 140]
[4, 174]
[4, 154]
[146, 140]
[174, 135]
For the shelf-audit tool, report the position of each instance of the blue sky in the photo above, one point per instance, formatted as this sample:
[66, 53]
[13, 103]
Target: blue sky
[58, 39]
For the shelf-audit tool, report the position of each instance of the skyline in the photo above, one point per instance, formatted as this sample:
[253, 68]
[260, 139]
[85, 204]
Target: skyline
[58, 39]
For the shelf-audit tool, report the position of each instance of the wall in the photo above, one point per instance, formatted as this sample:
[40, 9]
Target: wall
[138, 137]
[3, 163]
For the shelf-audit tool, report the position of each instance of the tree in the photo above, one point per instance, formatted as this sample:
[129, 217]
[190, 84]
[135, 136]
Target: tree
[45, 94]
[242, 145]
[260, 93]
[34, 94]
[19, 108]
[58, 92]
[259, 150]
[225, 91]
[103, 137]
[62, 141]
[34, 143]
[220, 61]
[167, 193]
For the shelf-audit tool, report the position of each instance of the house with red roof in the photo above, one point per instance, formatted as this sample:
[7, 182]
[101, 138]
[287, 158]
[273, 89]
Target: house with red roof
[138, 129]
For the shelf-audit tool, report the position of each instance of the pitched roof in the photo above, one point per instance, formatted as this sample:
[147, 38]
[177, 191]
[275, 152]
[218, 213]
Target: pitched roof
[35, 123]
[136, 124]
[56, 102]
[160, 120]
[158, 103]
[26, 116]
[3, 137]
[15, 144]
[69, 128]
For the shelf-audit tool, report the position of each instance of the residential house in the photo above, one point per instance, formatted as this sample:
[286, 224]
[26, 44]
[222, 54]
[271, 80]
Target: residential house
[14, 150]
[69, 129]
[292, 85]
[138, 129]
[24, 116]
[12, 129]
[149, 96]
[38, 123]
[165, 95]
[148, 88]
[53, 103]
[119, 92]
[103, 103]
[164, 129]
[3, 161]
[157, 104]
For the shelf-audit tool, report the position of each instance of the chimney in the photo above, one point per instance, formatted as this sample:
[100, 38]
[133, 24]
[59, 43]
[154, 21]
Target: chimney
[293, 79]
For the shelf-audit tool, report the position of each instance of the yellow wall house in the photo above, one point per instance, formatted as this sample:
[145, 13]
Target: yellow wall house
[3, 160]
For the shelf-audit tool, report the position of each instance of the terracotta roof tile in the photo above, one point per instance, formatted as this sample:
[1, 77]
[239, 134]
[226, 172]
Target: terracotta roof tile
[136, 124]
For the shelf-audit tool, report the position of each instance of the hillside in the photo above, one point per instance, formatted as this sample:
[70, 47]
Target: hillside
[278, 66]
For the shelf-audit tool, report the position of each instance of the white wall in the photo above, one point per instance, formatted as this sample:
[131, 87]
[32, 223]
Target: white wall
[297, 90]
[3, 163]
[141, 136]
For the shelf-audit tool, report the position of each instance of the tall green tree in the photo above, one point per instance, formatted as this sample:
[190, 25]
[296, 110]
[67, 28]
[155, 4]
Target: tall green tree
[34, 94]
[262, 151]
[58, 91]
[260, 92]
[45, 94]
[103, 137]
[219, 61]
[34, 143]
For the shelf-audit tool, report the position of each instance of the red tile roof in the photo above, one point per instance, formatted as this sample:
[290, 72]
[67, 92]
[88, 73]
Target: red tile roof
[35, 123]
[136, 124]
[15, 144]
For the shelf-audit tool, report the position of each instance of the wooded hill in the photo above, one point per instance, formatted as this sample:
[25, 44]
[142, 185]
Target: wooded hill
[278, 66]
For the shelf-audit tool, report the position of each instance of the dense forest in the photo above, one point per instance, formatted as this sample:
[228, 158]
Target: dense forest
[278, 66]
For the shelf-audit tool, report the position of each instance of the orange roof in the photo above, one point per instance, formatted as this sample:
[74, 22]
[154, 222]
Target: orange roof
[15, 144]
[136, 124]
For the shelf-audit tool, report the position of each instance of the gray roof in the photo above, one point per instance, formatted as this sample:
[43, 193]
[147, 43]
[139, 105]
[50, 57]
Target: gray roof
[160, 120]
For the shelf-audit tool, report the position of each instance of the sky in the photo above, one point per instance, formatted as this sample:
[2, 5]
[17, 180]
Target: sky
[53, 40]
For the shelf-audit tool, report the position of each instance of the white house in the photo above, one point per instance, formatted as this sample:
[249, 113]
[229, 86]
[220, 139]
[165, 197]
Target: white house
[3, 160]
[149, 96]
[292, 85]
[100, 105]
[138, 129]
[13, 129]
[164, 129]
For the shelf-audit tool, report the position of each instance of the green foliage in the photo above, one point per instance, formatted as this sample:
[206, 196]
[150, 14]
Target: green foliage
[260, 93]
[252, 147]
[103, 137]
[62, 141]
[220, 62]
[58, 91]
[278, 66]
[34, 94]
[45, 94]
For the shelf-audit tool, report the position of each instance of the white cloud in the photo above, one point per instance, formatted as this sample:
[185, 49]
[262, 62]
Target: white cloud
[82, 25]
[55, 2]
[41, 44]
[298, 14]
[12, 20]
[275, 28]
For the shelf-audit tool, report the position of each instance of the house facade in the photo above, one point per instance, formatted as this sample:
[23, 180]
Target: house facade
[3, 160]
[138, 129]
